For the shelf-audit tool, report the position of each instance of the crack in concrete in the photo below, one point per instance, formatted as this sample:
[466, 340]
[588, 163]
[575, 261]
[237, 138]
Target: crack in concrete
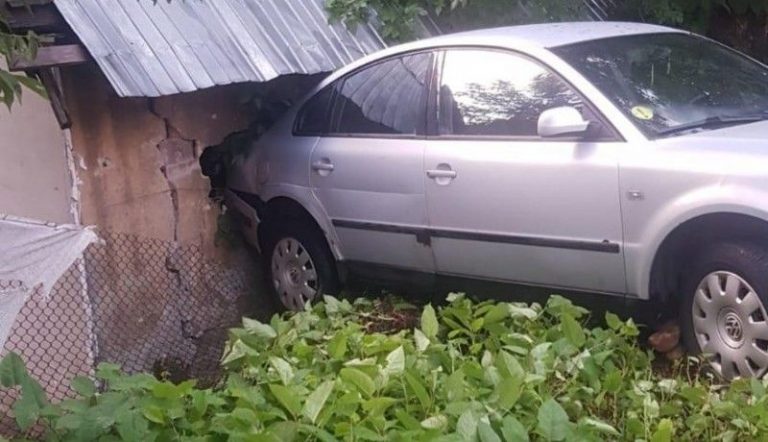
[171, 132]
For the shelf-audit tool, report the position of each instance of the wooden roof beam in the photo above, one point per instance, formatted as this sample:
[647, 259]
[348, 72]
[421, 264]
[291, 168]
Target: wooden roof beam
[51, 56]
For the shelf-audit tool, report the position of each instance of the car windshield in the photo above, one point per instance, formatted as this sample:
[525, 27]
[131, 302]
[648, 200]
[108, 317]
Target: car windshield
[673, 83]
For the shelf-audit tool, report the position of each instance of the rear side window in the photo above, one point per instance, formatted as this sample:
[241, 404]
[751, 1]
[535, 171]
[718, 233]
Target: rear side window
[388, 98]
[314, 116]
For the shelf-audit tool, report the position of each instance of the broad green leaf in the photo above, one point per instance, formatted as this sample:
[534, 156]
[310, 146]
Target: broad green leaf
[318, 433]
[407, 421]
[664, 431]
[359, 379]
[466, 426]
[32, 401]
[28, 407]
[454, 386]
[513, 430]
[283, 369]
[553, 422]
[487, 433]
[435, 422]
[509, 366]
[572, 330]
[132, 427]
[360, 432]
[613, 321]
[497, 313]
[287, 398]
[168, 390]
[337, 347]
[509, 390]
[266, 436]
[154, 413]
[316, 400]
[12, 371]
[332, 305]
[517, 311]
[285, 430]
[600, 426]
[395, 361]
[259, 329]
[83, 386]
[429, 323]
[418, 390]
[422, 341]
[378, 405]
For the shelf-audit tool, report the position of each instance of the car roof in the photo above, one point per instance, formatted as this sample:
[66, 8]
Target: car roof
[549, 35]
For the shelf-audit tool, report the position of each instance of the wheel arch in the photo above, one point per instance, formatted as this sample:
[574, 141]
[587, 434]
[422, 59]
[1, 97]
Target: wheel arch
[684, 241]
[285, 206]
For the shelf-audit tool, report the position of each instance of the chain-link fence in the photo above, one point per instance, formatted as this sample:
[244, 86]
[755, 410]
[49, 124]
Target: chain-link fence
[145, 304]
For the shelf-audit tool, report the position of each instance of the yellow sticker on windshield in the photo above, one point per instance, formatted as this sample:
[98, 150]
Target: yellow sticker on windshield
[642, 112]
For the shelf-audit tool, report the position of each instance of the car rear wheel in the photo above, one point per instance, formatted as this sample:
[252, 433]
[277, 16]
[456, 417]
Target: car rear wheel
[299, 265]
[723, 313]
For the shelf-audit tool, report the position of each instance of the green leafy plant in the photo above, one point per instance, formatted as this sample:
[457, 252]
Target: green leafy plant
[12, 46]
[397, 19]
[369, 370]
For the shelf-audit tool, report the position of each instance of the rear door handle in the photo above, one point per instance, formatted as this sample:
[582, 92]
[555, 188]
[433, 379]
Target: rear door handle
[323, 166]
[441, 173]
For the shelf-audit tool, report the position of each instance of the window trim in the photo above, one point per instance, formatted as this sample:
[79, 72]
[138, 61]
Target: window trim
[295, 127]
[612, 135]
[333, 115]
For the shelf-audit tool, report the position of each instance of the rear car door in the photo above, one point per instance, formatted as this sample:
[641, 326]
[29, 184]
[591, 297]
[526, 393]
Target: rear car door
[505, 204]
[367, 170]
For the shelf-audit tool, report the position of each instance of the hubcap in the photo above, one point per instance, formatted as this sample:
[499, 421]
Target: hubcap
[729, 321]
[293, 274]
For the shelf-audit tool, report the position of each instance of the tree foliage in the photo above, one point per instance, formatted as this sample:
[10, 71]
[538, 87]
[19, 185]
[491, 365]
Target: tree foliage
[12, 46]
[397, 18]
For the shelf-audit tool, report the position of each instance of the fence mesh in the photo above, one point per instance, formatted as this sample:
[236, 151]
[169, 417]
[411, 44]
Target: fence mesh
[145, 304]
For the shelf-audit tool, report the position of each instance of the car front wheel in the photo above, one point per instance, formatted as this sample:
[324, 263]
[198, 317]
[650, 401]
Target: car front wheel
[723, 314]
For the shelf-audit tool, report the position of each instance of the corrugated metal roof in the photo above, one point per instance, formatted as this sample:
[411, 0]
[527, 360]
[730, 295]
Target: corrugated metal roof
[153, 49]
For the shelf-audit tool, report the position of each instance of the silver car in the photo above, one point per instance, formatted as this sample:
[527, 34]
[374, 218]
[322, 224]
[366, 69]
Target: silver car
[624, 159]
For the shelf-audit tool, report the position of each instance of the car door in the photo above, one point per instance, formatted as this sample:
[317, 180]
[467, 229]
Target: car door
[367, 170]
[505, 204]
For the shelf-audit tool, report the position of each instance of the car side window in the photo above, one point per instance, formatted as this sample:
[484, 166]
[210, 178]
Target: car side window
[388, 98]
[313, 116]
[494, 93]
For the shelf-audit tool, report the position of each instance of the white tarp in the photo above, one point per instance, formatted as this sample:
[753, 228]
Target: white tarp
[33, 256]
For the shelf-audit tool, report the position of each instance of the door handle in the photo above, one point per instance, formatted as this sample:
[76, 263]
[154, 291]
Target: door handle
[323, 166]
[441, 173]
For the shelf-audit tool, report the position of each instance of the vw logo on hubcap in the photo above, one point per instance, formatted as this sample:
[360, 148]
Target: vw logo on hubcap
[733, 326]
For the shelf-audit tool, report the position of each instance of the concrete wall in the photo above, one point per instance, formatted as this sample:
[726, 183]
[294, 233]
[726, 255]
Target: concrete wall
[34, 180]
[140, 171]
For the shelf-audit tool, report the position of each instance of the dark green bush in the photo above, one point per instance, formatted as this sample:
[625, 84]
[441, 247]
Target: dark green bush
[469, 371]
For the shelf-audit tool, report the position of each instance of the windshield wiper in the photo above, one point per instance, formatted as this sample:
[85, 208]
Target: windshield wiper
[714, 122]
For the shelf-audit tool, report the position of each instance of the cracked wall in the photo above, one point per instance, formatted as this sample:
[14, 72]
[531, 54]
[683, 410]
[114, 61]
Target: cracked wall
[137, 160]
[139, 168]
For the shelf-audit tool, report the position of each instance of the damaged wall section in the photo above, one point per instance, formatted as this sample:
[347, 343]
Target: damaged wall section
[138, 163]
[139, 157]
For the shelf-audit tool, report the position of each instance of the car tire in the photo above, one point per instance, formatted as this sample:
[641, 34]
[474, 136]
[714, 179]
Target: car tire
[723, 312]
[298, 263]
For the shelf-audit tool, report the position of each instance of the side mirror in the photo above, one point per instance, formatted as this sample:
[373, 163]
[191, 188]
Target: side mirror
[565, 121]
